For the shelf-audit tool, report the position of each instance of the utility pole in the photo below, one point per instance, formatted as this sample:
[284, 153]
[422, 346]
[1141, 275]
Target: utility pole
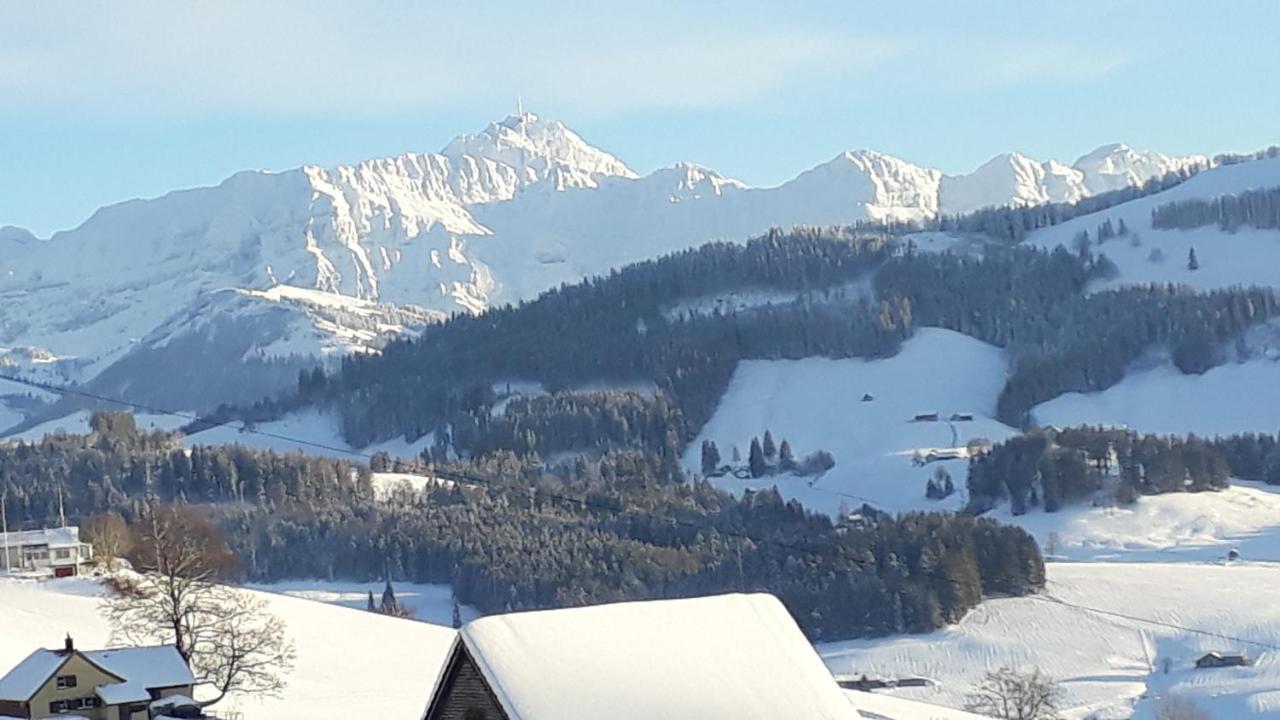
[62, 516]
[4, 528]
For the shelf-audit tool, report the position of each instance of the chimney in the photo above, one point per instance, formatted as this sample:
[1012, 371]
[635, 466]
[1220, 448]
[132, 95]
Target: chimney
[69, 646]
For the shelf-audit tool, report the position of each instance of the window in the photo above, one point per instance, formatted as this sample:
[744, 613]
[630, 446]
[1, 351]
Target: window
[62, 554]
[66, 681]
[61, 706]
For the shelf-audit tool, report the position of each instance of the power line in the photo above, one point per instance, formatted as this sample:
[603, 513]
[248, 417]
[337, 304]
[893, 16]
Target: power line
[454, 476]
[1150, 621]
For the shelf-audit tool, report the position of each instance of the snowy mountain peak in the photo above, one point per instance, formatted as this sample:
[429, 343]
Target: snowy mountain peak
[686, 177]
[1115, 166]
[538, 149]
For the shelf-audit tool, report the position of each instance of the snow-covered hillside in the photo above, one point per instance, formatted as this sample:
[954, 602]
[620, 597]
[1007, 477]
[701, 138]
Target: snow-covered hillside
[818, 404]
[1107, 666]
[1174, 527]
[1231, 398]
[1246, 257]
[245, 283]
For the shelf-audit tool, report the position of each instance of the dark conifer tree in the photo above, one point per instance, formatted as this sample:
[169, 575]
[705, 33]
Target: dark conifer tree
[710, 458]
[786, 459]
[389, 604]
[755, 458]
[770, 450]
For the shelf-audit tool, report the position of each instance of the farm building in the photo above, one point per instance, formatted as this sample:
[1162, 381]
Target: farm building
[1218, 660]
[729, 656]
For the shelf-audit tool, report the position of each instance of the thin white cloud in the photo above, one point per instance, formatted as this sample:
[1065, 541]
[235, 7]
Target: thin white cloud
[134, 59]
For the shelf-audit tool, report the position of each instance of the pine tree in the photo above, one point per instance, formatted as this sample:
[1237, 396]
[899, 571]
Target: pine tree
[372, 607]
[755, 458]
[389, 604]
[786, 460]
[1192, 262]
[457, 613]
[770, 450]
[710, 458]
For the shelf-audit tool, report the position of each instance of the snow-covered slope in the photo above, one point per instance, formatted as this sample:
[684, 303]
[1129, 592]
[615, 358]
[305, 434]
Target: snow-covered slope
[1174, 527]
[817, 404]
[287, 266]
[1240, 395]
[1246, 257]
[1107, 666]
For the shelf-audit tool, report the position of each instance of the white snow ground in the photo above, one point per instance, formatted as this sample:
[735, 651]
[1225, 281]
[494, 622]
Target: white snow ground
[313, 432]
[430, 603]
[1105, 664]
[1228, 399]
[77, 423]
[1247, 257]
[1175, 527]
[816, 404]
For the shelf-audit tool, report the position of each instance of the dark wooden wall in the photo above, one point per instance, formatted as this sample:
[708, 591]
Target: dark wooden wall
[464, 694]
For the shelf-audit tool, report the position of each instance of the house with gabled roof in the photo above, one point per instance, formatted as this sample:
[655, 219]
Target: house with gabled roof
[53, 551]
[739, 657]
[114, 684]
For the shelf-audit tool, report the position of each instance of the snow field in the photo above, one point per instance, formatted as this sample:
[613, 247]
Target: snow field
[1247, 257]
[817, 404]
[1104, 664]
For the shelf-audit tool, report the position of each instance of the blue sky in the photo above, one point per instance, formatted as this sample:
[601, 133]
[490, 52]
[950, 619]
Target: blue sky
[102, 102]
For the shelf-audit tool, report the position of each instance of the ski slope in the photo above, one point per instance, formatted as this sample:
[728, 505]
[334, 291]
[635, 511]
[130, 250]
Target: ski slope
[1107, 666]
[817, 404]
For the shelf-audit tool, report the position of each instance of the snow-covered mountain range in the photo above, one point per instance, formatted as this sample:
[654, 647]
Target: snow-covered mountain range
[269, 270]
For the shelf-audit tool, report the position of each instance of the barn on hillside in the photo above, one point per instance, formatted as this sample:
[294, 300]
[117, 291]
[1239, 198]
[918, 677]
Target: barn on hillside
[739, 657]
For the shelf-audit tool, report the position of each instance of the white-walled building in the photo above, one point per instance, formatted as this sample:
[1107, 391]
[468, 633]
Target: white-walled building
[57, 551]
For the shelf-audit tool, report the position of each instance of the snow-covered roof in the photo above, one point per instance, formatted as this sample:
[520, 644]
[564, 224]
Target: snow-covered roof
[53, 537]
[739, 657]
[154, 666]
[125, 692]
[26, 678]
[173, 701]
[158, 666]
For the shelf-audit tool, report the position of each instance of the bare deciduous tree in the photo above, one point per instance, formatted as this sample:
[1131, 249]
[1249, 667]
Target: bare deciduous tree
[229, 638]
[110, 537]
[1012, 695]
[1178, 707]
